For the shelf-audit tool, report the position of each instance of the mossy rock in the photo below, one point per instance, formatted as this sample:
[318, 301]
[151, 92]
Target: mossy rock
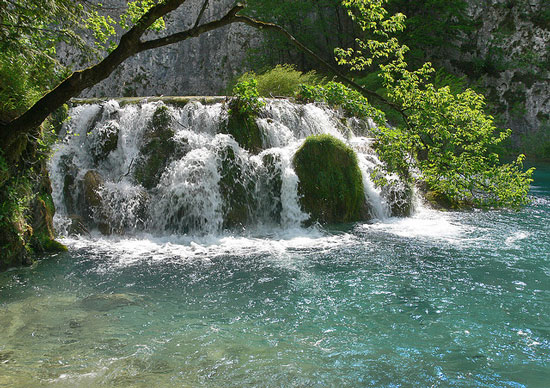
[106, 141]
[245, 131]
[438, 201]
[14, 238]
[331, 186]
[158, 148]
[43, 237]
[236, 190]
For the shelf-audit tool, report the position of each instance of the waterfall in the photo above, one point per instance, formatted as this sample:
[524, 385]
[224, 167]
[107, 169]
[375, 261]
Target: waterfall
[116, 171]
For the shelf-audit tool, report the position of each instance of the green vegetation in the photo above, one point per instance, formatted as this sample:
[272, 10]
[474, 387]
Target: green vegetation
[447, 135]
[282, 80]
[331, 186]
[338, 95]
[441, 127]
[243, 110]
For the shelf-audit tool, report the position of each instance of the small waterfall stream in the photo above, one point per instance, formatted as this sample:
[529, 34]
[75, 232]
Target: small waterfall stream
[202, 181]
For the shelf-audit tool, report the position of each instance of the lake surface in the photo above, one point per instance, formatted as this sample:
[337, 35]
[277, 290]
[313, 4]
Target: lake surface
[436, 300]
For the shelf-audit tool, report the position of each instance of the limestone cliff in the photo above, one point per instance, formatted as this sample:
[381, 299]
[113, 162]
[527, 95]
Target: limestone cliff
[198, 66]
[507, 54]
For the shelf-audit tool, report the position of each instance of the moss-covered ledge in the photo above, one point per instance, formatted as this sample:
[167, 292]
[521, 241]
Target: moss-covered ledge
[168, 100]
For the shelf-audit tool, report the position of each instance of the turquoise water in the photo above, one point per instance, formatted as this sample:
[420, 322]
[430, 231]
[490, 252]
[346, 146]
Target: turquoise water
[440, 299]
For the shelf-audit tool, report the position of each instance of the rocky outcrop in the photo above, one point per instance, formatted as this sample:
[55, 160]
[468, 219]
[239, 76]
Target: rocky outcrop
[331, 185]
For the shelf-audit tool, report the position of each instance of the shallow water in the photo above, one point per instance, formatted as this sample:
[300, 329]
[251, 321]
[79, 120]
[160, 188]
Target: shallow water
[439, 299]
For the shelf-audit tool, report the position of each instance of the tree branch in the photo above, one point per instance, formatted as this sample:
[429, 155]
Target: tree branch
[203, 8]
[230, 17]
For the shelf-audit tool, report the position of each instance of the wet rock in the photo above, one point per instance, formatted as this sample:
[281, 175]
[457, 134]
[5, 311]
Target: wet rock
[331, 185]
[236, 190]
[77, 226]
[158, 148]
[43, 238]
[244, 130]
[105, 140]
[400, 198]
[92, 185]
[68, 190]
[108, 302]
[273, 184]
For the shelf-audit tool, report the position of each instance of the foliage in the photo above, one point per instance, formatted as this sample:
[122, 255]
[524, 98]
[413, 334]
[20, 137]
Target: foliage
[331, 185]
[432, 26]
[319, 24]
[18, 88]
[447, 135]
[338, 95]
[282, 80]
[247, 101]
[136, 9]
[15, 196]
[453, 141]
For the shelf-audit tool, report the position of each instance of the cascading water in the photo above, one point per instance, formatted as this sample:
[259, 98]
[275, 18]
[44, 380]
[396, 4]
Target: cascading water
[170, 170]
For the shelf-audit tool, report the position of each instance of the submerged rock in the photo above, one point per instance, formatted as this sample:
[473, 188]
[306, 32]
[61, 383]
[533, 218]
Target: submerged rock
[331, 186]
[107, 302]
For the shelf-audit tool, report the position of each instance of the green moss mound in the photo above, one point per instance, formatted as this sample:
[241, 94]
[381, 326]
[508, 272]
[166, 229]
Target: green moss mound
[331, 185]
[245, 131]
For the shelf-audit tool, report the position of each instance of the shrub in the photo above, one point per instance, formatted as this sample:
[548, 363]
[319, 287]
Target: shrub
[282, 80]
